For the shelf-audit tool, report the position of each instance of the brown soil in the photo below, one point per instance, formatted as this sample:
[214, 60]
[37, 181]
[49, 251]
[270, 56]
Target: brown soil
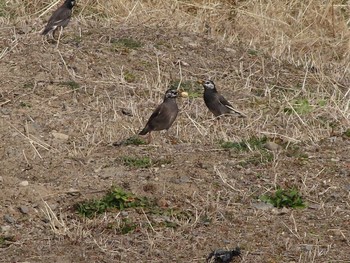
[80, 89]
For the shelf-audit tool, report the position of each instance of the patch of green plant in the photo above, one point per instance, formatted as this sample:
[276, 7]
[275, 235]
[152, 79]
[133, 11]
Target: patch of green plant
[296, 152]
[134, 140]
[127, 226]
[119, 199]
[254, 143]
[253, 52]
[129, 77]
[2, 9]
[5, 241]
[126, 42]
[136, 162]
[258, 158]
[28, 85]
[170, 224]
[159, 44]
[193, 88]
[300, 106]
[161, 162]
[70, 84]
[124, 227]
[25, 104]
[322, 103]
[284, 198]
[205, 220]
[116, 198]
[77, 39]
[347, 133]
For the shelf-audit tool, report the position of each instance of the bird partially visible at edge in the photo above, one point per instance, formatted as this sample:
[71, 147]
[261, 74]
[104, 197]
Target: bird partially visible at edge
[163, 116]
[60, 18]
[215, 102]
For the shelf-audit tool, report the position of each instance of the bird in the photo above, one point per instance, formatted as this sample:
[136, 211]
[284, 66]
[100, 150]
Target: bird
[224, 256]
[163, 116]
[215, 102]
[60, 18]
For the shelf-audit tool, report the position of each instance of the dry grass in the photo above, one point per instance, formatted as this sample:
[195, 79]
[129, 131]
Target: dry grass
[312, 36]
[284, 64]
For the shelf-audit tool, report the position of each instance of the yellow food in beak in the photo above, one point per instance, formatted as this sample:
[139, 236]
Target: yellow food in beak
[184, 94]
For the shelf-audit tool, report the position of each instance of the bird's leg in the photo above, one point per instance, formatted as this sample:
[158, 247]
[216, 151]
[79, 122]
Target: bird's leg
[59, 37]
[149, 138]
[170, 138]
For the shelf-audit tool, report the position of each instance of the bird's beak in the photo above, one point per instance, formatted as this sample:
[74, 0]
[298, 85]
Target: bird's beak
[200, 81]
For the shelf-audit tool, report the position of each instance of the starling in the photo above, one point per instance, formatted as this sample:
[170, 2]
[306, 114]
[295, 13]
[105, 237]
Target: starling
[215, 102]
[163, 116]
[60, 18]
[224, 256]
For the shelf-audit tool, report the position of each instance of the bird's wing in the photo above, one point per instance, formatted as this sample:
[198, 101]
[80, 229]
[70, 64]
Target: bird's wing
[156, 112]
[58, 16]
[224, 102]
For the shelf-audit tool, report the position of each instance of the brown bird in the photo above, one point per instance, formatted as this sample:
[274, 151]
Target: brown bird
[215, 102]
[163, 116]
[60, 18]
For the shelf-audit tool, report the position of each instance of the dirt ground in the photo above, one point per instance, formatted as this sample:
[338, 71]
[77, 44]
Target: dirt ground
[62, 108]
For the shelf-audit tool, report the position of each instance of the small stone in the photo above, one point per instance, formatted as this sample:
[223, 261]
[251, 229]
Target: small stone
[227, 49]
[272, 146]
[284, 210]
[279, 212]
[5, 229]
[53, 206]
[24, 209]
[73, 192]
[262, 206]
[181, 180]
[9, 219]
[60, 136]
[162, 203]
[5, 111]
[1, 179]
[307, 247]
[314, 206]
[124, 213]
[24, 183]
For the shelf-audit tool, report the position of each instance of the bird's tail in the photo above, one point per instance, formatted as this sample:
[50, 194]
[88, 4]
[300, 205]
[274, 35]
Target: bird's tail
[144, 131]
[46, 30]
[240, 114]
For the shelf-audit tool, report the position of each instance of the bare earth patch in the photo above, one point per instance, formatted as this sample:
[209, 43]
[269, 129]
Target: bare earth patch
[62, 108]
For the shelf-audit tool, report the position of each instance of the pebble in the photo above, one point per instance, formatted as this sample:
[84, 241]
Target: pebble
[24, 183]
[181, 180]
[282, 211]
[124, 213]
[60, 136]
[307, 247]
[24, 209]
[73, 192]
[53, 206]
[1, 179]
[5, 229]
[262, 206]
[9, 219]
[5, 111]
[272, 146]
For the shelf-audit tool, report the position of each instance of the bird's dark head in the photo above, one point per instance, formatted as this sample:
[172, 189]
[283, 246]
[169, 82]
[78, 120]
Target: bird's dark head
[70, 3]
[208, 85]
[170, 93]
